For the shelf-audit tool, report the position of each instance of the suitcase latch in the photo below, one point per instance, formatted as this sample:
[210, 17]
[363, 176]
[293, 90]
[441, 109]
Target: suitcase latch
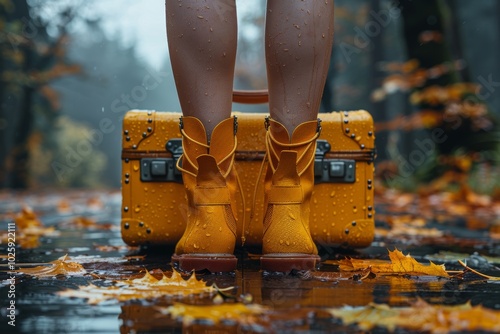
[332, 170]
[163, 169]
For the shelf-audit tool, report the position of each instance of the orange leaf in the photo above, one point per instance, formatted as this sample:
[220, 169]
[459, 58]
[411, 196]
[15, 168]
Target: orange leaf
[424, 317]
[58, 267]
[400, 264]
[28, 229]
[215, 313]
[146, 287]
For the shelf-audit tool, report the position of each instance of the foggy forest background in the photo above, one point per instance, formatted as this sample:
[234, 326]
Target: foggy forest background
[422, 69]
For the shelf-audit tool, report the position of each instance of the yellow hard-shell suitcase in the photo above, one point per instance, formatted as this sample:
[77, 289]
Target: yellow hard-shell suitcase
[154, 206]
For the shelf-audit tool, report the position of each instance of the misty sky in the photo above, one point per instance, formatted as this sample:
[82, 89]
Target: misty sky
[142, 22]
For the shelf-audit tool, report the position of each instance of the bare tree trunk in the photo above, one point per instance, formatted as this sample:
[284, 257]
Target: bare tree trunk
[17, 108]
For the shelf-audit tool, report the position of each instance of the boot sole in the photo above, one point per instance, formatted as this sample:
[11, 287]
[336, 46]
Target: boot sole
[215, 263]
[287, 262]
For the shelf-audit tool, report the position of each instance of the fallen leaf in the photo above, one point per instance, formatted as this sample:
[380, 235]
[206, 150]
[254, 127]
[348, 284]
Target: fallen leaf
[146, 287]
[88, 223]
[63, 206]
[239, 312]
[28, 229]
[60, 266]
[26, 218]
[424, 317]
[399, 264]
[406, 230]
[111, 248]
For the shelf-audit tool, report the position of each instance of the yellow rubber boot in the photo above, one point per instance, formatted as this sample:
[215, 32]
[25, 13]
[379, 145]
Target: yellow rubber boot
[287, 243]
[210, 181]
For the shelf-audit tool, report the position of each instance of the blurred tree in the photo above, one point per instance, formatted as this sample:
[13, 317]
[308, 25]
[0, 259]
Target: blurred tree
[461, 127]
[114, 80]
[31, 59]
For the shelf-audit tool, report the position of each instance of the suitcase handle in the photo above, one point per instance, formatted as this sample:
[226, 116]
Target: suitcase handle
[250, 96]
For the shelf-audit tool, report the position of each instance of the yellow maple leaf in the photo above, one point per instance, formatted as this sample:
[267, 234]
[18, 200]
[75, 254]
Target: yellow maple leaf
[242, 313]
[61, 266]
[399, 264]
[424, 317]
[146, 287]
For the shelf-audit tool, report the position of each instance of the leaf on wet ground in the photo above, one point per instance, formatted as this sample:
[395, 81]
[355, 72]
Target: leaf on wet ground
[399, 264]
[238, 312]
[29, 229]
[424, 317]
[113, 248]
[145, 287]
[88, 223]
[61, 266]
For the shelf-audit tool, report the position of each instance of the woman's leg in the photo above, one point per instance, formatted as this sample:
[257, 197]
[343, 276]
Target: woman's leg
[298, 46]
[299, 37]
[202, 36]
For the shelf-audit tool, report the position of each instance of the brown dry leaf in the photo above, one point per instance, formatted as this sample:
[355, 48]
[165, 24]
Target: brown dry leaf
[146, 287]
[424, 317]
[239, 312]
[400, 264]
[60, 266]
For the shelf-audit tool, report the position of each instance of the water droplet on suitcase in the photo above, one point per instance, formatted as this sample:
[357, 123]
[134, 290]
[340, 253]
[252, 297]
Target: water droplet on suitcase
[354, 210]
[287, 243]
[281, 242]
[332, 194]
[136, 168]
[291, 216]
[204, 226]
[208, 234]
[137, 209]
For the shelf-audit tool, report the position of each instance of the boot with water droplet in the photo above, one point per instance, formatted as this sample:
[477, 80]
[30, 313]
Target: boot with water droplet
[287, 243]
[211, 184]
